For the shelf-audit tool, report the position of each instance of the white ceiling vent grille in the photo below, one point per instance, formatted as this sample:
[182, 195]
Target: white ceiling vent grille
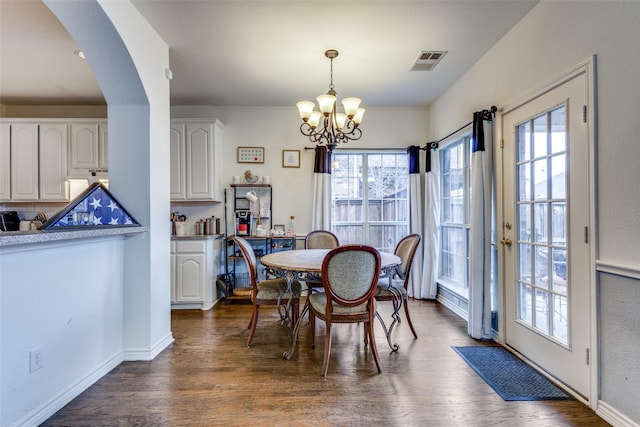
[427, 60]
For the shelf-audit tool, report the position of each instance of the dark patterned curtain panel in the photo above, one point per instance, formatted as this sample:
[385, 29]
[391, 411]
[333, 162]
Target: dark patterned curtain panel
[321, 197]
[479, 325]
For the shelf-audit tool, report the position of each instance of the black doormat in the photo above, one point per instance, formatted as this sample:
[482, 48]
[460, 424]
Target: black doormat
[509, 376]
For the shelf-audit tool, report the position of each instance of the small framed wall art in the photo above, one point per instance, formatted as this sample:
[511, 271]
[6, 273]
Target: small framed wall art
[290, 158]
[250, 154]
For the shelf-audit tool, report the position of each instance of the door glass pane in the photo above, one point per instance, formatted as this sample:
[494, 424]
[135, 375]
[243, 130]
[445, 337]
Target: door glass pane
[524, 181]
[560, 321]
[540, 222]
[525, 308]
[558, 177]
[524, 142]
[558, 223]
[540, 179]
[524, 223]
[349, 233]
[524, 256]
[541, 310]
[542, 246]
[540, 266]
[540, 140]
[559, 257]
[558, 134]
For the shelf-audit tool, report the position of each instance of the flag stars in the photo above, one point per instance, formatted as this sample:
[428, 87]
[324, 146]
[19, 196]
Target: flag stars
[112, 205]
[95, 203]
[114, 221]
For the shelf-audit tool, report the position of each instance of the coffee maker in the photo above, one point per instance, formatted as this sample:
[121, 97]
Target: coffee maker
[243, 223]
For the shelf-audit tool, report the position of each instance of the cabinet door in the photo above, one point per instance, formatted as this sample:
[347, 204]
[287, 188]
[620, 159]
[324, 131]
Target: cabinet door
[177, 163]
[199, 161]
[218, 178]
[103, 145]
[5, 162]
[84, 146]
[190, 277]
[24, 161]
[53, 162]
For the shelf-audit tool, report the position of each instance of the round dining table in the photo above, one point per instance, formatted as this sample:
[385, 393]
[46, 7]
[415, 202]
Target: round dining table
[306, 264]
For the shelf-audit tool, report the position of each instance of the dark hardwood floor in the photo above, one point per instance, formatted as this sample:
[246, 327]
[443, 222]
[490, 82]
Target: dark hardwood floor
[208, 377]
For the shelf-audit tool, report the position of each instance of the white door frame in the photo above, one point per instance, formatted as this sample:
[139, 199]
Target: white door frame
[588, 67]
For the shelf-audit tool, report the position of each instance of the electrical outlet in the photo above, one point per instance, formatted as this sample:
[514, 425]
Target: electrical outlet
[35, 359]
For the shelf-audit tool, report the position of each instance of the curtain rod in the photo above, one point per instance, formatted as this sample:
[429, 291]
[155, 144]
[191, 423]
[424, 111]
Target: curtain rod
[435, 144]
[361, 149]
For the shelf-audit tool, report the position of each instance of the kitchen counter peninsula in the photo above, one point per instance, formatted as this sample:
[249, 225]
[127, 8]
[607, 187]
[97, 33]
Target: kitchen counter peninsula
[16, 238]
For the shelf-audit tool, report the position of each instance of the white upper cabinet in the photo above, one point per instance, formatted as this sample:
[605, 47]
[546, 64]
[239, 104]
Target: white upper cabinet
[177, 165]
[196, 160]
[53, 162]
[103, 146]
[88, 146]
[24, 161]
[5, 162]
[38, 161]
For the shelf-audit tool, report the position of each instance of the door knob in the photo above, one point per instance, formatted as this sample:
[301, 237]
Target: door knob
[506, 241]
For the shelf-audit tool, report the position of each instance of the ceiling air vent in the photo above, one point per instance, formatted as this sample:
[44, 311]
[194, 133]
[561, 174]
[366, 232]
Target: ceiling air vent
[427, 60]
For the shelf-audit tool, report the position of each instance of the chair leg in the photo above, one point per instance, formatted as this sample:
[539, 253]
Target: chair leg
[406, 312]
[327, 350]
[254, 322]
[374, 349]
[312, 324]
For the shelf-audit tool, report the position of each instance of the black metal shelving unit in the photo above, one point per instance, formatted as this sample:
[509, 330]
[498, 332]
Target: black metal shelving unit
[236, 283]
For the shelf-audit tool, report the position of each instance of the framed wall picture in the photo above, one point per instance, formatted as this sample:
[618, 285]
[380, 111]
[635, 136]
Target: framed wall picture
[290, 158]
[250, 154]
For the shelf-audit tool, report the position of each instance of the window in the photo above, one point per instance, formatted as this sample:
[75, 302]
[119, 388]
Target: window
[369, 201]
[455, 176]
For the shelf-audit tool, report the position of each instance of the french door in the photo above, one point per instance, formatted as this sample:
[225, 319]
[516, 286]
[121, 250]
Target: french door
[546, 214]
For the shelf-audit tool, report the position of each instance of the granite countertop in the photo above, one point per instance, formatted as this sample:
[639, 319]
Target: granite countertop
[14, 238]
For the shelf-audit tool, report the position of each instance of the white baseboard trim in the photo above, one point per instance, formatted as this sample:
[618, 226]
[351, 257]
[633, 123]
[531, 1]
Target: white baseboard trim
[148, 354]
[58, 401]
[448, 304]
[613, 417]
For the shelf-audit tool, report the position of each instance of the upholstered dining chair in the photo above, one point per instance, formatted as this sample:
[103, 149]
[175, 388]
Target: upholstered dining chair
[319, 239]
[349, 277]
[266, 292]
[405, 249]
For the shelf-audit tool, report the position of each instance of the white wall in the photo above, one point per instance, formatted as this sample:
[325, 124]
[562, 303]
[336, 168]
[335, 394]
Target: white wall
[554, 37]
[68, 299]
[277, 128]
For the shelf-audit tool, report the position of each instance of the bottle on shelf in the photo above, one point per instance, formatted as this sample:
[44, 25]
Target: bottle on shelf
[291, 227]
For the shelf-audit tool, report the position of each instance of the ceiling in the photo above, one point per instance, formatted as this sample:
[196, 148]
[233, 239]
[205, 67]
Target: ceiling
[266, 53]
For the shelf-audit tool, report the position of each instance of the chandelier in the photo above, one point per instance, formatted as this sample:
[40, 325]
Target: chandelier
[336, 127]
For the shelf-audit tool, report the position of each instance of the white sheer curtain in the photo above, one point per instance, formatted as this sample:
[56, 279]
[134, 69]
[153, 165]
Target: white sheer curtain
[479, 325]
[321, 197]
[431, 238]
[415, 215]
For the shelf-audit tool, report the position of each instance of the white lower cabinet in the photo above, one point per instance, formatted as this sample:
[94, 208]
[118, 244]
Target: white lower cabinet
[194, 268]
